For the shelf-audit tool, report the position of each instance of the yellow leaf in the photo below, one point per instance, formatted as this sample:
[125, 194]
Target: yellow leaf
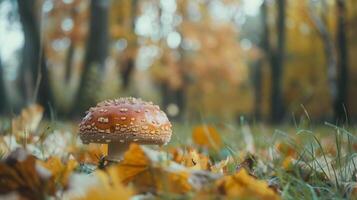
[242, 185]
[287, 162]
[134, 162]
[60, 171]
[91, 154]
[191, 158]
[207, 136]
[148, 174]
[109, 188]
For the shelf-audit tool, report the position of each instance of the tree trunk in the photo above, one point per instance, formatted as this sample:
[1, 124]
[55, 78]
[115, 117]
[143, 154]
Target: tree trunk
[33, 75]
[173, 96]
[2, 91]
[126, 71]
[257, 81]
[30, 52]
[69, 61]
[264, 44]
[129, 64]
[329, 47]
[97, 44]
[340, 105]
[277, 63]
[96, 52]
[181, 101]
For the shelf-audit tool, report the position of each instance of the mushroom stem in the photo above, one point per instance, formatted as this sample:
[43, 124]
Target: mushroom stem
[116, 151]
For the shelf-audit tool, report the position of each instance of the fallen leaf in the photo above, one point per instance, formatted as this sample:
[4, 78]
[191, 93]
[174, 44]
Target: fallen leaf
[28, 120]
[242, 185]
[191, 158]
[285, 149]
[287, 162]
[91, 154]
[109, 187]
[207, 136]
[248, 163]
[149, 171]
[135, 162]
[20, 173]
[60, 171]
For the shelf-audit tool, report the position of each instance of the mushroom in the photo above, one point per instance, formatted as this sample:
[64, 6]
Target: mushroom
[122, 121]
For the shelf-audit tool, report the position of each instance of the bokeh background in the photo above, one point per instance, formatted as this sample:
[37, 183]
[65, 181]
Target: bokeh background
[265, 60]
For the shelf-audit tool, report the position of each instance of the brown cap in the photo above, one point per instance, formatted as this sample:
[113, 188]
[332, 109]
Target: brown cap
[125, 120]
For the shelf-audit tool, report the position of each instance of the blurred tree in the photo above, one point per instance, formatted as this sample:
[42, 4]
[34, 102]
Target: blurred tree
[257, 79]
[173, 90]
[321, 24]
[69, 61]
[216, 69]
[2, 90]
[122, 19]
[33, 75]
[173, 94]
[96, 52]
[275, 55]
[264, 44]
[277, 63]
[128, 63]
[64, 28]
[340, 103]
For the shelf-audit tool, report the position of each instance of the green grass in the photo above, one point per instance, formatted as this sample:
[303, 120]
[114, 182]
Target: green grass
[325, 160]
[316, 172]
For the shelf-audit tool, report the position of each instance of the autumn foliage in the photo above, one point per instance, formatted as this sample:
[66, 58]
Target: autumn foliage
[143, 170]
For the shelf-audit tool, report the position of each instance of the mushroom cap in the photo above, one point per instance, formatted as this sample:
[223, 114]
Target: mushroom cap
[125, 120]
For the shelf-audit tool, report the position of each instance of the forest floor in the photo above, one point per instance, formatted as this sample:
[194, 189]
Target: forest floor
[41, 159]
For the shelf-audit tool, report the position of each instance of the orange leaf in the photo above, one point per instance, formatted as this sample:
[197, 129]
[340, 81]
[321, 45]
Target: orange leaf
[191, 158]
[144, 169]
[242, 185]
[207, 136]
[91, 154]
[285, 149]
[60, 171]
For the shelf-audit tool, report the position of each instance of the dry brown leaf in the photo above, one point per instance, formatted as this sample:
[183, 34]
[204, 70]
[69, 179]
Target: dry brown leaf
[20, 173]
[248, 163]
[28, 120]
[207, 136]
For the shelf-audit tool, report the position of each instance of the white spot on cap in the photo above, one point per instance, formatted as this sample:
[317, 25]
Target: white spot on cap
[123, 109]
[103, 119]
